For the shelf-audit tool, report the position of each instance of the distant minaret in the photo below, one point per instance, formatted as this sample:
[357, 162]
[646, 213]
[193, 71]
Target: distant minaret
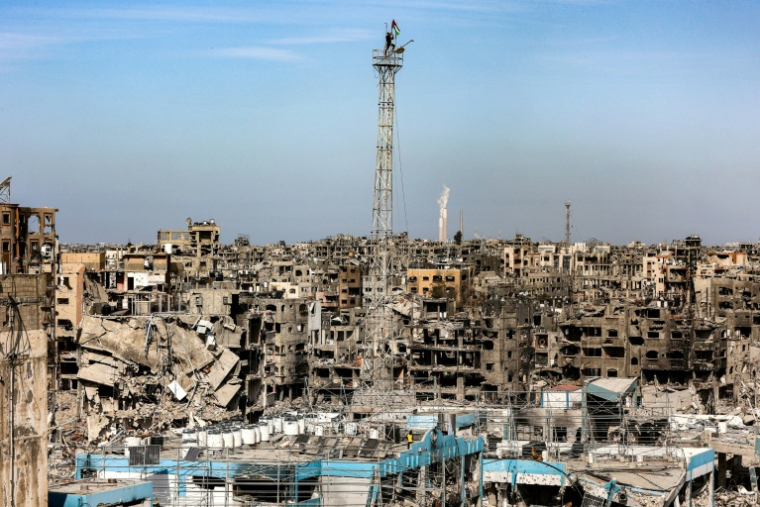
[567, 223]
[461, 222]
[443, 219]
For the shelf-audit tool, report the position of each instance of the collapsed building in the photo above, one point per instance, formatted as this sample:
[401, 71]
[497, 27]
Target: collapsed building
[285, 327]
[154, 372]
[511, 332]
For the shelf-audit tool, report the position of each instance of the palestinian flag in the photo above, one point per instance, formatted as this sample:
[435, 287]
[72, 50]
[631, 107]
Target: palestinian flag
[395, 28]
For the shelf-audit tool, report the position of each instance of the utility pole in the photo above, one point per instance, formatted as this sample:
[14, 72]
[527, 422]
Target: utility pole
[387, 62]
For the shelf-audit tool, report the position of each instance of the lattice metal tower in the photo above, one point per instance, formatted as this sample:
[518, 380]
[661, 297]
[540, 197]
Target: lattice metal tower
[387, 62]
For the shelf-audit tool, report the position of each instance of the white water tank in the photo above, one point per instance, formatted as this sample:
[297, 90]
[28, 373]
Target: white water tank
[249, 435]
[215, 440]
[374, 434]
[264, 429]
[301, 425]
[228, 439]
[290, 428]
[237, 438]
[256, 434]
[351, 429]
[319, 430]
[202, 438]
[277, 421]
[722, 427]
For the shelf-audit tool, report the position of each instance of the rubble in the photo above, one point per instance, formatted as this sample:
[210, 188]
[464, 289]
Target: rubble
[130, 368]
[275, 327]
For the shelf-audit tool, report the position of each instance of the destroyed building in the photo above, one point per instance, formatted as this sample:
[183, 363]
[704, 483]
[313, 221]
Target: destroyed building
[152, 372]
[195, 248]
[28, 237]
[28, 267]
[26, 324]
[289, 325]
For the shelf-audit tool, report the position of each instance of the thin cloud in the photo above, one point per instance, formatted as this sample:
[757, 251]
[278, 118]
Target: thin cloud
[18, 46]
[442, 5]
[579, 3]
[183, 14]
[642, 63]
[579, 42]
[257, 53]
[348, 35]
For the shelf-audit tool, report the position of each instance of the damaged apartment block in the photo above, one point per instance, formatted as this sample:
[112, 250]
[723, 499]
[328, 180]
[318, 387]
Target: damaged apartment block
[27, 270]
[514, 328]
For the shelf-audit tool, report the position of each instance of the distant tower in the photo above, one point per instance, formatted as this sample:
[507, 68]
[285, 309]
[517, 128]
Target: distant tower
[567, 223]
[387, 62]
[443, 218]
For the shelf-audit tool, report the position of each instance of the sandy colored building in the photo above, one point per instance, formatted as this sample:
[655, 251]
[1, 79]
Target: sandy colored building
[439, 282]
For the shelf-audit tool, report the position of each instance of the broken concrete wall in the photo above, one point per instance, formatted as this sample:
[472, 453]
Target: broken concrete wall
[153, 371]
[23, 390]
[210, 301]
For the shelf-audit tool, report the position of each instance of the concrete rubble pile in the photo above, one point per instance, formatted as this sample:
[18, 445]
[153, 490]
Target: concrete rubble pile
[644, 500]
[740, 497]
[150, 373]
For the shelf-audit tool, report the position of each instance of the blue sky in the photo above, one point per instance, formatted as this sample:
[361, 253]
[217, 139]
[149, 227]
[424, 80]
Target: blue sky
[130, 117]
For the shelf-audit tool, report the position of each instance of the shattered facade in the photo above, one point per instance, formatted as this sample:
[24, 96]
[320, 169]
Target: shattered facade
[503, 324]
[28, 239]
[25, 302]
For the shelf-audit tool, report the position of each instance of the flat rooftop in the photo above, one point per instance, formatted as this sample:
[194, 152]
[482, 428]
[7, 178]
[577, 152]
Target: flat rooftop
[87, 487]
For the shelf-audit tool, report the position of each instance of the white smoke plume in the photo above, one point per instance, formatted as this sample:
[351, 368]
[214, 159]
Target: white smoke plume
[444, 199]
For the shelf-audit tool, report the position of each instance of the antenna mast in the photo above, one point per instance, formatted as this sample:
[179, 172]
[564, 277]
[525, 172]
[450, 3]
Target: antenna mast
[387, 62]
